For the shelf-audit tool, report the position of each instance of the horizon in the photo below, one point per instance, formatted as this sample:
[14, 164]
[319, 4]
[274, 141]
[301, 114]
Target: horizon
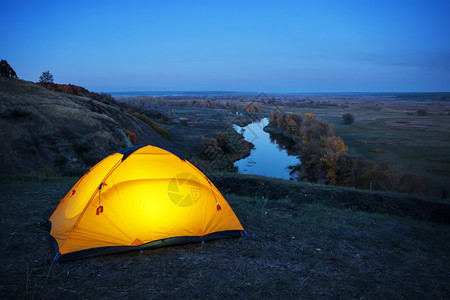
[212, 92]
[289, 47]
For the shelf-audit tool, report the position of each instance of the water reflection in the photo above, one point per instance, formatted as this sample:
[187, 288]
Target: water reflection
[271, 155]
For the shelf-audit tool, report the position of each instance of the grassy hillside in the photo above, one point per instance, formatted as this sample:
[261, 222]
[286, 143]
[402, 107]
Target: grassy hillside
[303, 250]
[415, 206]
[51, 132]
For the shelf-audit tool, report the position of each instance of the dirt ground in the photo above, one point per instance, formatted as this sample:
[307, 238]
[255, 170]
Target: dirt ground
[301, 251]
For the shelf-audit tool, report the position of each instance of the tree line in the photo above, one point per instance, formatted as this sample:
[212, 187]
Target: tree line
[325, 158]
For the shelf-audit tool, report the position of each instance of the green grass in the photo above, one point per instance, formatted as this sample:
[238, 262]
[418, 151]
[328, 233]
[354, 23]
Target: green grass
[420, 145]
[303, 250]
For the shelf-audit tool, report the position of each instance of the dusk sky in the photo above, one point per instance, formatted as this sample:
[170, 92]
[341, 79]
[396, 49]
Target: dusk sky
[259, 46]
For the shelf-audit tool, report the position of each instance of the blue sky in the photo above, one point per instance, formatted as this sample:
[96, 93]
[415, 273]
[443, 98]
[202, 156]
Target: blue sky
[260, 46]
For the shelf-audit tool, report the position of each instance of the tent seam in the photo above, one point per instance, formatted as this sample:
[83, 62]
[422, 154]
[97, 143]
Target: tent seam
[90, 201]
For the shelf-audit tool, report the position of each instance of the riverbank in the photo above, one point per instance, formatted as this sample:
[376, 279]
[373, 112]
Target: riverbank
[269, 157]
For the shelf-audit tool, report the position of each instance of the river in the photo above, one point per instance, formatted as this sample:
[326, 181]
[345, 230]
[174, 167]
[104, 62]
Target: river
[267, 158]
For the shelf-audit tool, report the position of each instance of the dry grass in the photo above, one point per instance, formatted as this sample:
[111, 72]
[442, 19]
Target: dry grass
[303, 251]
[378, 150]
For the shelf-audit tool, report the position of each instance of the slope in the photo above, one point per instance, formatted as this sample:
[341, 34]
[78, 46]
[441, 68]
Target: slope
[51, 131]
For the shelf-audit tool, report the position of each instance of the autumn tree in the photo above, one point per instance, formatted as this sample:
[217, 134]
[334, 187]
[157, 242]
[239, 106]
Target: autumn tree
[132, 136]
[313, 129]
[252, 108]
[333, 148]
[334, 143]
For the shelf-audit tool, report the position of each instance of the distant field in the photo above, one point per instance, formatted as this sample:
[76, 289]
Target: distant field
[419, 144]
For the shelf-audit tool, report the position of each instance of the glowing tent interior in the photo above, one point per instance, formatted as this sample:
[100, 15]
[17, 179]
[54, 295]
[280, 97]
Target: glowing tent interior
[141, 197]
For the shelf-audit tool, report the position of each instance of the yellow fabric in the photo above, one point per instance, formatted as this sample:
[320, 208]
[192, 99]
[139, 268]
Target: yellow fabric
[150, 195]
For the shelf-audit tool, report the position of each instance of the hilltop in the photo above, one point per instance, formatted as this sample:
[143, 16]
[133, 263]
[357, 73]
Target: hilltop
[53, 132]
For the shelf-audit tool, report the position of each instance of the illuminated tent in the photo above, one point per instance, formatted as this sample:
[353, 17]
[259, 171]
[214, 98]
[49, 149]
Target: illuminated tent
[141, 197]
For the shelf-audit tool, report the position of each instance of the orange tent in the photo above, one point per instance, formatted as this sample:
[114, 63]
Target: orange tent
[141, 197]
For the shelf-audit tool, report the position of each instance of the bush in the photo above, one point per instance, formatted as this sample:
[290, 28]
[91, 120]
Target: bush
[377, 150]
[422, 112]
[162, 131]
[348, 118]
[61, 160]
[89, 160]
[410, 183]
[309, 116]
[132, 137]
[81, 146]
[70, 89]
[107, 99]
[16, 111]
[48, 171]
[184, 121]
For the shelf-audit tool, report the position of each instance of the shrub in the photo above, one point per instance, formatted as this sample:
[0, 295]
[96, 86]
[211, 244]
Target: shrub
[210, 150]
[377, 150]
[132, 137]
[162, 131]
[224, 141]
[48, 171]
[89, 160]
[348, 118]
[184, 121]
[61, 160]
[81, 146]
[16, 111]
[309, 116]
[422, 112]
[107, 99]
[410, 183]
[70, 89]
